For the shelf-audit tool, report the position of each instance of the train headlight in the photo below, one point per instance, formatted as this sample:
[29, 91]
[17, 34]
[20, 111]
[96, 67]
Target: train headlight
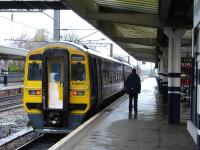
[34, 92]
[78, 93]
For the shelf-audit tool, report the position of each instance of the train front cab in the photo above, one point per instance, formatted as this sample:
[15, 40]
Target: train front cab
[63, 95]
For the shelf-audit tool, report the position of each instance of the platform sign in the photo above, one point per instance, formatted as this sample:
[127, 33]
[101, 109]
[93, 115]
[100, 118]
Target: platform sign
[196, 12]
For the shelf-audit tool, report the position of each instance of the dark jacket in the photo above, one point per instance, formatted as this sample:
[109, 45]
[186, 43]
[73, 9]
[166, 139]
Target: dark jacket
[132, 84]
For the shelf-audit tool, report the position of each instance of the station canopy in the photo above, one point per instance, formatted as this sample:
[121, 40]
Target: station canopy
[135, 25]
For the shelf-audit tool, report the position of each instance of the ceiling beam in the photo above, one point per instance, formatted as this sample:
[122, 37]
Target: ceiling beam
[141, 55]
[40, 4]
[107, 28]
[148, 41]
[146, 20]
[145, 58]
[164, 7]
[140, 41]
[81, 7]
[141, 50]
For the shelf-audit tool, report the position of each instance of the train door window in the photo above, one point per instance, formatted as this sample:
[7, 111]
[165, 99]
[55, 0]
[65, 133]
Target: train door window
[55, 83]
[116, 76]
[78, 72]
[120, 74]
[56, 69]
[35, 71]
[104, 77]
[110, 76]
[107, 77]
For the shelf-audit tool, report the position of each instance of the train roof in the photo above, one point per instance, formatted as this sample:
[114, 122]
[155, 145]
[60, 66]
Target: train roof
[85, 50]
[127, 64]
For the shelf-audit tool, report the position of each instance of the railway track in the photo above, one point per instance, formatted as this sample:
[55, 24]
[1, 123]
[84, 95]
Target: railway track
[43, 142]
[10, 102]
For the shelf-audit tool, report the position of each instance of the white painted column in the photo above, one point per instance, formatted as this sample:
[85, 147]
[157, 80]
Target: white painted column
[174, 74]
[198, 87]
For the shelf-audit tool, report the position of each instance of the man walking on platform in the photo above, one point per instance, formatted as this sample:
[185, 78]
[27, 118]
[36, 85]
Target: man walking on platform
[133, 87]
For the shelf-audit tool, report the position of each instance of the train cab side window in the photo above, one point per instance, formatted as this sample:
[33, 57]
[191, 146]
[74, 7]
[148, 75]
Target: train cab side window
[35, 71]
[78, 72]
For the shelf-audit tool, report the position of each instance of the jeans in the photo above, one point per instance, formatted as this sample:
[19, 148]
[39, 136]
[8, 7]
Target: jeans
[131, 96]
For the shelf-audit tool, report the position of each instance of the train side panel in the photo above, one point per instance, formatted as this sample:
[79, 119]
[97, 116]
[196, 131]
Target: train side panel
[109, 79]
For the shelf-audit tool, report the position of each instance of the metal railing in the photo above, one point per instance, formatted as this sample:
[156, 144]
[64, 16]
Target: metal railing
[12, 77]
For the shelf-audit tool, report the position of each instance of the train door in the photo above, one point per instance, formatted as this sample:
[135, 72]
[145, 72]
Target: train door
[94, 81]
[55, 87]
[99, 78]
[55, 83]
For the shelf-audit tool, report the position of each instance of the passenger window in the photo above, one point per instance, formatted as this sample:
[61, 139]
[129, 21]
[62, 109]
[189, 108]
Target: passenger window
[35, 71]
[78, 72]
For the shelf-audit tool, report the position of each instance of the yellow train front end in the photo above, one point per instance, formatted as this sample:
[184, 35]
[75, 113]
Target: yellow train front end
[57, 87]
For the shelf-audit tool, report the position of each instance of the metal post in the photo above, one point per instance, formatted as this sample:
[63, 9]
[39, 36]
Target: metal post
[111, 50]
[129, 59]
[5, 72]
[174, 74]
[56, 25]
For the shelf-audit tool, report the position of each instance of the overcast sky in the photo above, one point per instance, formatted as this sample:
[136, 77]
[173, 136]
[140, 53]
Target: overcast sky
[29, 22]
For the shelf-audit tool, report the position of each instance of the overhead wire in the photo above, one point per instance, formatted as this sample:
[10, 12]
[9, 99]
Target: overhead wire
[87, 35]
[28, 26]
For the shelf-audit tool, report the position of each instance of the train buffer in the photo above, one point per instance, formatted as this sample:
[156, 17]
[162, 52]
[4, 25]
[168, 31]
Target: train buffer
[116, 128]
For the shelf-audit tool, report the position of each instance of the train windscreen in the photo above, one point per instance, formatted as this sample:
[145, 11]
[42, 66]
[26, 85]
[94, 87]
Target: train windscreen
[35, 71]
[78, 72]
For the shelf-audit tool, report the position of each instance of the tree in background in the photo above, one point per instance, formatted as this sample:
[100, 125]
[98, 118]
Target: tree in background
[23, 41]
[20, 42]
[71, 37]
[15, 66]
[41, 36]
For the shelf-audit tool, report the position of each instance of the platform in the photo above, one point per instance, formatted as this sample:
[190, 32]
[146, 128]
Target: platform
[11, 86]
[121, 130]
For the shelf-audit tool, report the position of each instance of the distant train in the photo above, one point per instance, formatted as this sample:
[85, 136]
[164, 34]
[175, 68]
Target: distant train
[65, 82]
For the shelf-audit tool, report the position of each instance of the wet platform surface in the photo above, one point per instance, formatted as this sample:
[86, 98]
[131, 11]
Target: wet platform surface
[147, 130]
